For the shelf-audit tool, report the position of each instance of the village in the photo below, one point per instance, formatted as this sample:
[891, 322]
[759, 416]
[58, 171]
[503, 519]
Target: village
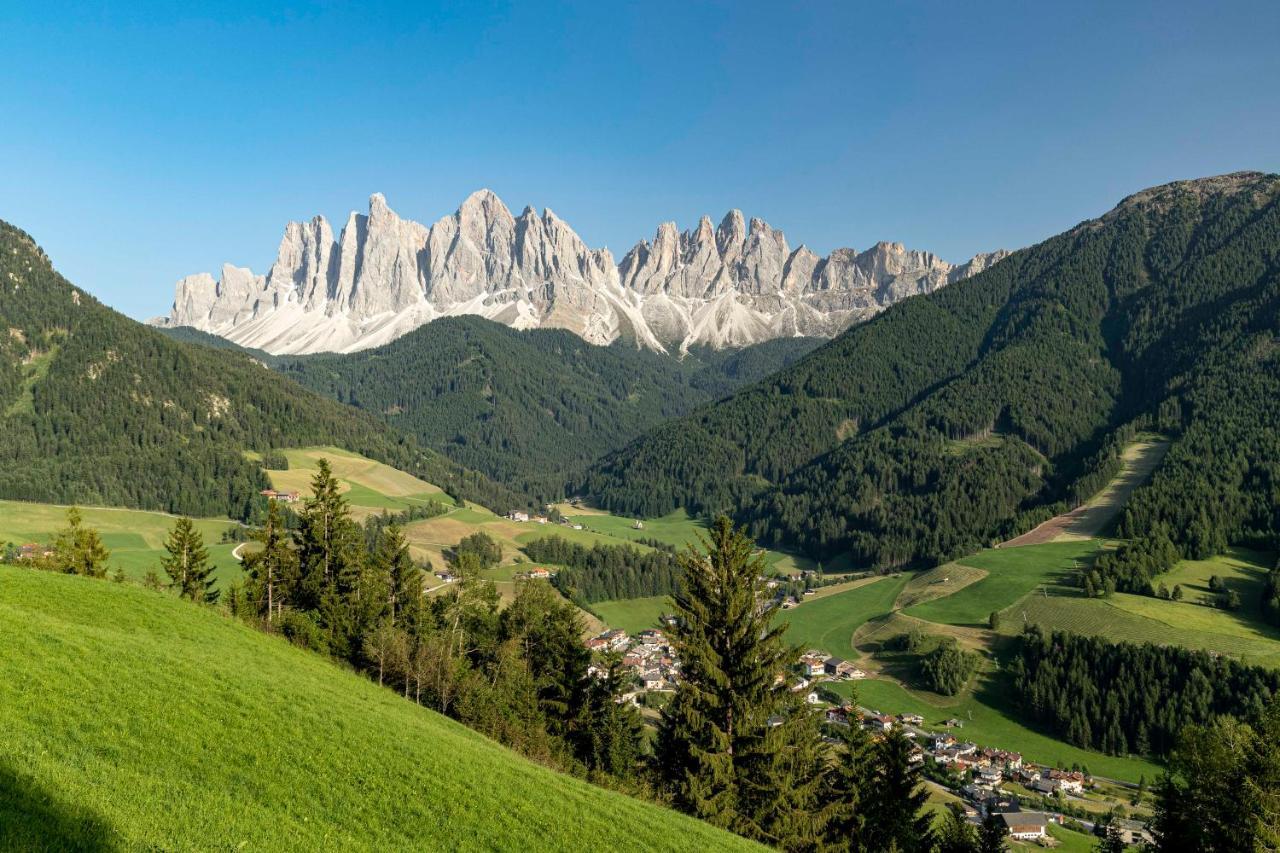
[989, 780]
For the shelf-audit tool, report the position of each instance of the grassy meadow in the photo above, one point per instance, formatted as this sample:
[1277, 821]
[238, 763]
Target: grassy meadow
[632, 615]
[369, 486]
[134, 720]
[828, 622]
[135, 538]
[1011, 573]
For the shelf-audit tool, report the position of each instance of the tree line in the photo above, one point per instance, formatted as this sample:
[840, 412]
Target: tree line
[607, 572]
[1124, 698]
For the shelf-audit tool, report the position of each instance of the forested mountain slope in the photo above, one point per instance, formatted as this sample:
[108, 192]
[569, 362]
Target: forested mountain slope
[529, 407]
[927, 430]
[97, 408]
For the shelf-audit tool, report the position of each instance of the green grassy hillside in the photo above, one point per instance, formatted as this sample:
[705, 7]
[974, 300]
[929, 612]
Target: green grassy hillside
[134, 720]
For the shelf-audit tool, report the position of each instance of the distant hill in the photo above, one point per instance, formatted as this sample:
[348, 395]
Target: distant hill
[97, 408]
[930, 429]
[204, 733]
[528, 408]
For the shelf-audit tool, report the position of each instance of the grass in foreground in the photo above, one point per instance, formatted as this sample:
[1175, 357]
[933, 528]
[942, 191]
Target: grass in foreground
[134, 720]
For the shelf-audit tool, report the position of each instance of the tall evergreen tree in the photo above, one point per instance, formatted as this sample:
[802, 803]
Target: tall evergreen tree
[956, 834]
[187, 563]
[717, 753]
[848, 784]
[272, 569]
[896, 818]
[78, 550]
[400, 575]
[331, 562]
[991, 835]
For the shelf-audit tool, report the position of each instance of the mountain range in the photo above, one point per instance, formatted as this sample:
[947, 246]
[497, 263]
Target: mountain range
[382, 276]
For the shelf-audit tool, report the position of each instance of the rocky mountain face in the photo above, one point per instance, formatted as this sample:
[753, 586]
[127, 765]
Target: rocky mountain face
[728, 286]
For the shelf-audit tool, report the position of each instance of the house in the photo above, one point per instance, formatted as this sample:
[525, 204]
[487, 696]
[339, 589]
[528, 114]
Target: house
[32, 551]
[812, 664]
[991, 776]
[632, 661]
[802, 684]
[653, 680]
[954, 723]
[943, 741]
[287, 497]
[518, 515]
[1025, 826]
[1070, 781]
[652, 635]
[878, 722]
[446, 577]
[831, 666]
[539, 573]
[1134, 832]
[539, 519]
[639, 525]
[838, 716]
[911, 719]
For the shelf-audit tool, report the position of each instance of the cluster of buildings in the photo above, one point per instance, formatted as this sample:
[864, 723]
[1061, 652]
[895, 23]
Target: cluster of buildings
[815, 664]
[283, 497]
[521, 517]
[35, 551]
[647, 657]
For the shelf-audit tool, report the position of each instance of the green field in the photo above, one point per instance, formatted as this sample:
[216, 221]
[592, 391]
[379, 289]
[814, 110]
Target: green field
[828, 623]
[1011, 574]
[988, 721]
[135, 538]
[632, 615]
[133, 720]
[369, 486]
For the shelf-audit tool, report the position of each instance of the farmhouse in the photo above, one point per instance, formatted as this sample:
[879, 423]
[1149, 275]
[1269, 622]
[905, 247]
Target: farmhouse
[812, 664]
[518, 515]
[1025, 826]
[32, 551]
[539, 573]
[286, 497]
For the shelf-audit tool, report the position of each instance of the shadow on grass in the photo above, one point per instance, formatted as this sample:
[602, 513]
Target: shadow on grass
[32, 819]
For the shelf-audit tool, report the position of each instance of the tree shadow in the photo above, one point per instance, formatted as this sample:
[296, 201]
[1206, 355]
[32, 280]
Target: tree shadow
[33, 819]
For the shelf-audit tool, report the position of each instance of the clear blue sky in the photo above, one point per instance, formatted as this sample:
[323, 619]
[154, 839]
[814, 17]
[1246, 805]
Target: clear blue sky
[141, 142]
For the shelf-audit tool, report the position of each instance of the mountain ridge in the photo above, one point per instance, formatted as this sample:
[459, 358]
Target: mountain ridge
[954, 418]
[383, 276]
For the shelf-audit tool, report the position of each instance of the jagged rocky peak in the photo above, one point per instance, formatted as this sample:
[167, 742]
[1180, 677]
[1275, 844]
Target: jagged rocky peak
[381, 276]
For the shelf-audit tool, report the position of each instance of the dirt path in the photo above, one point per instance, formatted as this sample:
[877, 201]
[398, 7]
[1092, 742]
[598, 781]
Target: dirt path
[1091, 518]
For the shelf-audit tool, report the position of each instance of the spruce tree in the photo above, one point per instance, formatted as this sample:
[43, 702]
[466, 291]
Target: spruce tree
[717, 754]
[273, 568]
[331, 565]
[956, 834]
[896, 815]
[187, 563]
[78, 549]
[848, 789]
[991, 835]
[400, 575]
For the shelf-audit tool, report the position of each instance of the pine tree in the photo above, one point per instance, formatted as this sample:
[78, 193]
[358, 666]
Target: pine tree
[847, 792]
[272, 569]
[400, 576]
[715, 730]
[332, 566]
[78, 550]
[187, 565]
[896, 817]
[956, 834]
[991, 835]
[613, 733]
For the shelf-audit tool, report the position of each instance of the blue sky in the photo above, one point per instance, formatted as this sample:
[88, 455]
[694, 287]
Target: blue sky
[141, 142]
